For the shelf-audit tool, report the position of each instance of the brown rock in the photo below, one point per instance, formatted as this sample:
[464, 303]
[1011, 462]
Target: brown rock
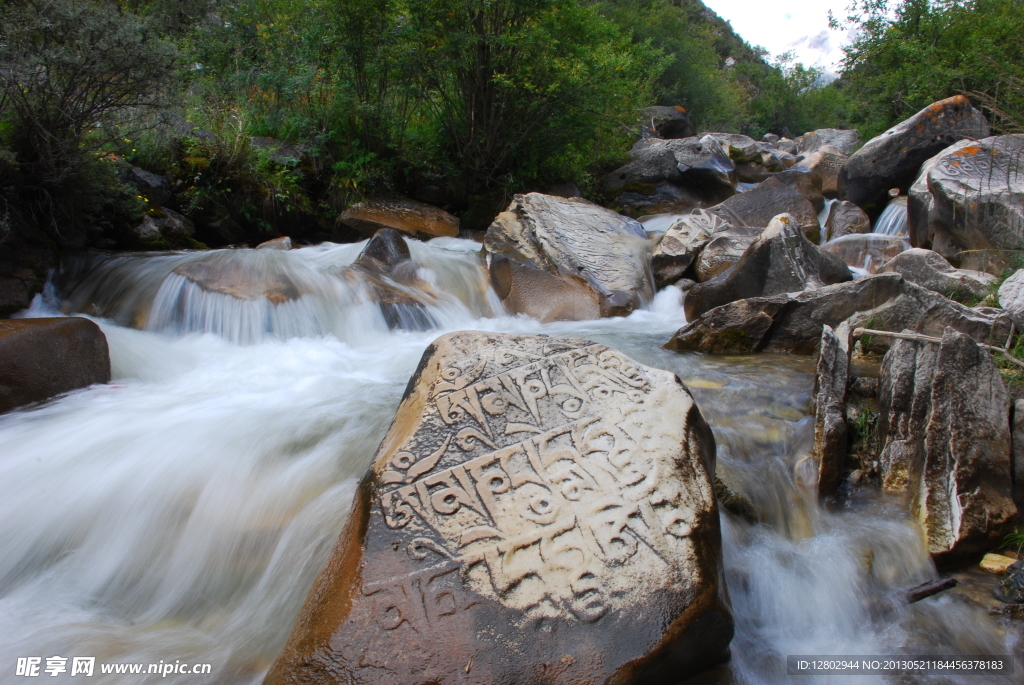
[541, 510]
[826, 162]
[846, 218]
[388, 271]
[282, 243]
[231, 273]
[41, 358]
[408, 216]
[681, 244]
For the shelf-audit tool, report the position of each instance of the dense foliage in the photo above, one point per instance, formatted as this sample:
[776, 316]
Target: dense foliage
[273, 115]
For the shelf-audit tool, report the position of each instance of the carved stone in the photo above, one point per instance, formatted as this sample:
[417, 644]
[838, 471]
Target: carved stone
[541, 510]
[946, 441]
[723, 250]
[826, 162]
[681, 244]
[833, 375]
[589, 254]
[846, 218]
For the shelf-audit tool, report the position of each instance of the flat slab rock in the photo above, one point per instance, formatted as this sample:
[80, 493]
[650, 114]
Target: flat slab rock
[541, 510]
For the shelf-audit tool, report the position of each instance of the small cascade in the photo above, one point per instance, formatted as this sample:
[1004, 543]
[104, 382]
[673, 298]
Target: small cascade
[865, 252]
[823, 219]
[893, 219]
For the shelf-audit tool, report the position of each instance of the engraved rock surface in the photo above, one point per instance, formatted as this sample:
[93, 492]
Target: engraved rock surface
[845, 141]
[541, 510]
[682, 242]
[830, 431]
[780, 260]
[588, 252]
[892, 159]
[827, 162]
[846, 218]
[945, 433]
[723, 250]
[929, 270]
[757, 207]
[974, 198]
[408, 216]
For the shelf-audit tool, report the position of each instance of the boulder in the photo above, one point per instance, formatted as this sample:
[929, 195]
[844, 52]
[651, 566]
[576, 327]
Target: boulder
[1012, 585]
[866, 251]
[681, 244]
[740, 148]
[41, 358]
[282, 243]
[892, 160]
[234, 273]
[408, 216]
[391, 276]
[666, 122]
[759, 206]
[929, 270]
[780, 260]
[541, 510]
[845, 141]
[592, 254]
[164, 223]
[1011, 297]
[830, 431]
[946, 441]
[1017, 426]
[826, 162]
[792, 323]
[155, 188]
[723, 250]
[971, 197]
[994, 262]
[807, 183]
[845, 218]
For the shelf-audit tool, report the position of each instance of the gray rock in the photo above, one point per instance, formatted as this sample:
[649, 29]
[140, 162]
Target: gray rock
[845, 141]
[757, 207]
[42, 358]
[665, 122]
[538, 506]
[1017, 427]
[929, 270]
[993, 262]
[740, 148]
[723, 250]
[682, 242]
[167, 223]
[971, 197]
[1012, 585]
[792, 323]
[386, 269]
[892, 160]
[780, 260]
[830, 430]
[826, 162]
[846, 218]
[1011, 297]
[592, 254]
[155, 188]
[946, 441]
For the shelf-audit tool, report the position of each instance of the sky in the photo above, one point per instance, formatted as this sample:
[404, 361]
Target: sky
[780, 26]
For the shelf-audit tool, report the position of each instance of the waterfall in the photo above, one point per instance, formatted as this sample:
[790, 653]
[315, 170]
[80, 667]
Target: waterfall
[893, 219]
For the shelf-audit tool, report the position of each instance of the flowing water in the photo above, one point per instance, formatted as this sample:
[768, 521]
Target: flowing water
[181, 512]
[893, 219]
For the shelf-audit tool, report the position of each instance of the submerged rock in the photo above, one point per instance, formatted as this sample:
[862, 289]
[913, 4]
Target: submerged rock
[929, 270]
[413, 218]
[830, 430]
[867, 251]
[892, 160]
[391, 276]
[780, 260]
[541, 510]
[590, 255]
[946, 441]
[41, 358]
[971, 197]
[231, 274]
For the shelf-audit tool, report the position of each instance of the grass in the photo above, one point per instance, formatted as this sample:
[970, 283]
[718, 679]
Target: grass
[1014, 541]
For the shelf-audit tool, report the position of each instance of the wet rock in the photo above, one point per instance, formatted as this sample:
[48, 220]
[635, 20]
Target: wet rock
[830, 431]
[971, 197]
[757, 207]
[666, 122]
[231, 274]
[826, 162]
[943, 424]
[384, 251]
[723, 250]
[892, 160]
[780, 260]
[541, 510]
[846, 218]
[681, 244]
[394, 283]
[996, 563]
[792, 323]
[282, 243]
[408, 216]
[589, 252]
[41, 358]
[1012, 586]
[844, 141]
[867, 251]
[734, 501]
[155, 188]
[929, 270]
[1017, 473]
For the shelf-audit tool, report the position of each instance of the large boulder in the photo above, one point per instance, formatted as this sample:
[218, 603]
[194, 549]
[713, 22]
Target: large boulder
[1011, 297]
[155, 188]
[250, 275]
[413, 218]
[666, 122]
[780, 260]
[1017, 428]
[845, 218]
[388, 272]
[946, 441]
[867, 251]
[792, 323]
[682, 242]
[41, 358]
[830, 430]
[541, 510]
[593, 255]
[759, 206]
[723, 250]
[929, 270]
[845, 141]
[971, 197]
[807, 183]
[826, 162]
[892, 160]
[740, 148]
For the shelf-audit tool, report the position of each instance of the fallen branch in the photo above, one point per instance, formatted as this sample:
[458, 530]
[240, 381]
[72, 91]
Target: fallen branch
[917, 337]
[926, 590]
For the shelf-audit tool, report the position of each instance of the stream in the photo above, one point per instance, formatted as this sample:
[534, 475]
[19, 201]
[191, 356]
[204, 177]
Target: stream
[182, 511]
